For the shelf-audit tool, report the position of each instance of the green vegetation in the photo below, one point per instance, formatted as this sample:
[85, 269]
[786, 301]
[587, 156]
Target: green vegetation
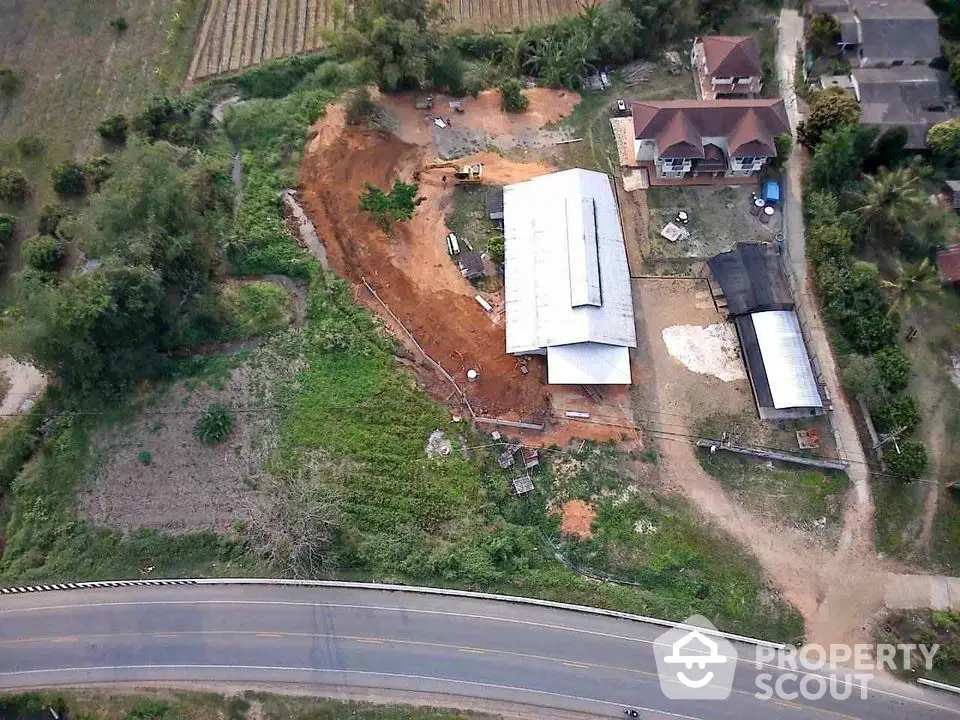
[144, 457]
[512, 97]
[391, 207]
[927, 627]
[31, 145]
[114, 128]
[469, 221]
[91, 705]
[13, 185]
[254, 308]
[69, 178]
[7, 225]
[119, 24]
[11, 80]
[214, 424]
[822, 35]
[43, 252]
[829, 109]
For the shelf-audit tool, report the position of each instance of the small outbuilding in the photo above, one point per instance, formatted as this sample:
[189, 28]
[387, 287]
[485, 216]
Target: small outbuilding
[952, 191]
[948, 262]
[471, 264]
[495, 204]
[762, 309]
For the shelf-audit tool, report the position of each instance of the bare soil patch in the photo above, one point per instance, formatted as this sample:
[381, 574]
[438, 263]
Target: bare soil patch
[185, 485]
[21, 386]
[577, 519]
[411, 271]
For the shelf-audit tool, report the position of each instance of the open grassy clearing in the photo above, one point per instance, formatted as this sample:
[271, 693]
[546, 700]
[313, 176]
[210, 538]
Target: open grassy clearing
[78, 70]
[809, 499]
[173, 705]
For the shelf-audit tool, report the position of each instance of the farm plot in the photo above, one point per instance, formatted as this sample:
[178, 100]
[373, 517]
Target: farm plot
[239, 33]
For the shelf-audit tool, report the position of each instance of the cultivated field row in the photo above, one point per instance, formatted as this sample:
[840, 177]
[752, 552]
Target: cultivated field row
[240, 33]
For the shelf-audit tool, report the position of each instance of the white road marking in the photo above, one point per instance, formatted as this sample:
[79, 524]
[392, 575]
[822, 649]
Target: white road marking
[402, 676]
[289, 603]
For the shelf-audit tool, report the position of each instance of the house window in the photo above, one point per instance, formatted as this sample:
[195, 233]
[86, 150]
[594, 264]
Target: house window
[747, 160]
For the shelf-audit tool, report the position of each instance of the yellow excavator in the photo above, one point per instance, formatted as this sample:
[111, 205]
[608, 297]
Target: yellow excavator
[462, 174]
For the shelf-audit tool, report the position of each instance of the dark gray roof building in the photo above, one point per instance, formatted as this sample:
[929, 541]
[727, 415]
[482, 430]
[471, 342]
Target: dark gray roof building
[471, 264]
[915, 97]
[495, 203]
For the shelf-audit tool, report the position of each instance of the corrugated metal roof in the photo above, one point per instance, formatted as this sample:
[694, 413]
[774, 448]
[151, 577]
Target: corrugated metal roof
[546, 225]
[785, 360]
[588, 364]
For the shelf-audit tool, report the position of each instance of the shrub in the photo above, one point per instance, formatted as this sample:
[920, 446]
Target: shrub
[398, 205]
[144, 457]
[910, 463]
[900, 414]
[31, 145]
[98, 170]
[829, 110]
[7, 225]
[894, 368]
[48, 222]
[214, 424]
[495, 248]
[861, 378]
[13, 185]
[114, 128]
[119, 24]
[512, 97]
[43, 252]
[784, 146]
[360, 107]
[11, 80]
[69, 178]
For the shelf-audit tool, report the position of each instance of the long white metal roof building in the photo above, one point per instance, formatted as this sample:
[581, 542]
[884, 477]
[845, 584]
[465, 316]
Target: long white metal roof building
[567, 284]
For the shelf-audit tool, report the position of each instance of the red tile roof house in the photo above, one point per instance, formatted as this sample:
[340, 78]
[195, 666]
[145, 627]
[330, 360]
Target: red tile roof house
[727, 66]
[706, 141]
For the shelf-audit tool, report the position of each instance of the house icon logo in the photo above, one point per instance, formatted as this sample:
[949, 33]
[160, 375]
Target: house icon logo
[694, 663]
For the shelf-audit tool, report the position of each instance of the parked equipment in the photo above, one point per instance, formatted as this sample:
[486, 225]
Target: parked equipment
[463, 174]
[424, 103]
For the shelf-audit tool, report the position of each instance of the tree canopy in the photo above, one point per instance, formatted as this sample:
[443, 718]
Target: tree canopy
[829, 110]
[398, 205]
[944, 140]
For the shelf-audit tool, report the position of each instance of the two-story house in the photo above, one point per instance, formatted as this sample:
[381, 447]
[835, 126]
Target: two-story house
[727, 66]
[706, 139]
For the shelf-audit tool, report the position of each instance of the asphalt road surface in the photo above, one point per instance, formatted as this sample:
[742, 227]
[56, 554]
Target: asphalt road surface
[392, 641]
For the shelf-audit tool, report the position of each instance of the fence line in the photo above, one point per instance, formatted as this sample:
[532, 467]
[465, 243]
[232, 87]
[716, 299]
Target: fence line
[438, 366]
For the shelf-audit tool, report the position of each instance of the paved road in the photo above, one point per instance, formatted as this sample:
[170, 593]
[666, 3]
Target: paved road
[386, 640]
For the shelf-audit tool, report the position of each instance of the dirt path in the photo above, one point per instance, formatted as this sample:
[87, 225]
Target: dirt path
[938, 451]
[23, 384]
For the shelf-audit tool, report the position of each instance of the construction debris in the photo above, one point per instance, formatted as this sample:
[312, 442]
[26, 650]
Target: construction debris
[577, 414]
[637, 73]
[483, 303]
[438, 445]
[505, 459]
[531, 457]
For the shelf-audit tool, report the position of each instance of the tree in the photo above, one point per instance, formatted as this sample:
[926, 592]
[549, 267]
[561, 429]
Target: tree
[495, 248]
[839, 157]
[512, 97]
[43, 253]
[829, 110]
[915, 285]
[11, 80]
[893, 368]
[387, 208]
[890, 200]
[899, 415]
[7, 225]
[114, 128]
[119, 24]
[69, 178]
[48, 221]
[397, 37]
[889, 150]
[13, 185]
[910, 463]
[783, 143]
[823, 34]
[861, 378]
[944, 140]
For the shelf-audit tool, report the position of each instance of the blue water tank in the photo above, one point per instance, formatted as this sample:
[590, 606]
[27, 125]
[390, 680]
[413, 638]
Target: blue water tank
[771, 192]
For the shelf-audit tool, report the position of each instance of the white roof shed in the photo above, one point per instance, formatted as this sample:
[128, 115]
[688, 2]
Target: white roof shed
[567, 284]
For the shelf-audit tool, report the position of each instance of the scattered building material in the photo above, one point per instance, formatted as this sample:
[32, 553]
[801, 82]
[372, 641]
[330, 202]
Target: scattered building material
[509, 423]
[808, 439]
[483, 303]
[568, 142]
[453, 245]
[505, 459]
[953, 193]
[592, 393]
[424, 103]
[456, 105]
[522, 484]
[823, 463]
[576, 414]
[673, 232]
[439, 123]
[531, 457]
[471, 265]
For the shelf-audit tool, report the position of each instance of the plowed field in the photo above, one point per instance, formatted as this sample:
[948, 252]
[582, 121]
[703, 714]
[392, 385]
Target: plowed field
[240, 33]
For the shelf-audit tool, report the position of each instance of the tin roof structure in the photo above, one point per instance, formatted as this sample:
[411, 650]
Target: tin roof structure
[566, 281]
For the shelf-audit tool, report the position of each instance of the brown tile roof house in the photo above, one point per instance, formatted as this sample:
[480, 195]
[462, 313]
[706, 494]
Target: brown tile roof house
[726, 65]
[692, 138]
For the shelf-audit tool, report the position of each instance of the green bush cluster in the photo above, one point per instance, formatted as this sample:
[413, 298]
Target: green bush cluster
[43, 252]
[214, 424]
[7, 225]
[69, 178]
[13, 185]
[114, 128]
[180, 121]
[512, 97]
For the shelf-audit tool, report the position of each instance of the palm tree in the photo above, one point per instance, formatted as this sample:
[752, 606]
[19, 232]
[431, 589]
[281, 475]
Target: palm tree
[891, 199]
[915, 284]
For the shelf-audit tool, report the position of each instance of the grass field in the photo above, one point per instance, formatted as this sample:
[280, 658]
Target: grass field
[171, 705]
[77, 70]
[925, 627]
